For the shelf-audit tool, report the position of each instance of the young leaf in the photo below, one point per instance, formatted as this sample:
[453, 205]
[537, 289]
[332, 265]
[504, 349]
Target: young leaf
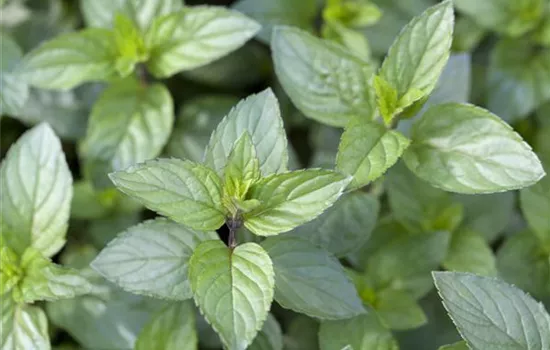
[172, 328]
[152, 259]
[466, 149]
[535, 205]
[233, 289]
[325, 81]
[130, 45]
[364, 332]
[71, 59]
[491, 314]
[44, 280]
[258, 115]
[367, 150]
[14, 92]
[398, 310]
[345, 226]
[194, 37]
[419, 54]
[470, 252]
[36, 192]
[270, 336]
[130, 123]
[184, 191]
[23, 326]
[310, 281]
[291, 199]
[242, 168]
[386, 98]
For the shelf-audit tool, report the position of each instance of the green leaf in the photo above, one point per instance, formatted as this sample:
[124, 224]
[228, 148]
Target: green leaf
[356, 42]
[310, 281]
[195, 36]
[242, 168]
[291, 199]
[36, 192]
[172, 328]
[469, 252]
[325, 81]
[14, 92]
[386, 98]
[461, 345]
[398, 310]
[152, 259]
[270, 336]
[233, 289]
[130, 123]
[258, 115]
[23, 327]
[491, 314]
[364, 332]
[269, 14]
[467, 35]
[194, 124]
[367, 150]
[302, 334]
[518, 79]
[44, 280]
[523, 261]
[184, 191]
[419, 53]
[71, 59]
[345, 226]
[509, 17]
[535, 205]
[130, 45]
[466, 149]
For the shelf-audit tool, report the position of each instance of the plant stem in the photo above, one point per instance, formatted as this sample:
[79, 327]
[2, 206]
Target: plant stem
[233, 224]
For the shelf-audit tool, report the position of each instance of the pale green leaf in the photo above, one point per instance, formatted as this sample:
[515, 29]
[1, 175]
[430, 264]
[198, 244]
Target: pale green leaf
[461, 345]
[195, 36]
[152, 259]
[258, 115]
[419, 53]
[23, 327]
[291, 199]
[535, 205]
[14, 92]
[466, 149]
[233, 289]
[268, 13]
[36, 192]
[242, 168]
[386, 98]
[467, 35]
[367, 150]
[345, 226]
[71, 59]
[491, 314]
[398, 310]
[172, 328]
[364, 332]
[325, 81]
[184, 191]
[270, 337]
[310, 281]
[353, 40]
[130, 123]
[470, 252]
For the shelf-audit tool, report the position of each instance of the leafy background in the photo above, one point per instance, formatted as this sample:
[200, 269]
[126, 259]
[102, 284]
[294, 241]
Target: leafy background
[500, 60]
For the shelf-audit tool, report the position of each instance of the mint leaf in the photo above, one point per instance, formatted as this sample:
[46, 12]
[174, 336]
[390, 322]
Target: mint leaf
[491, 314]
[466, 149]
[36, 192]
[171, 328]
[310, 281]
[398, 310]
[386, 98]
[325, 81]
[71, 59]
[461, 345]
[419, 54]
[44, 280]
[152, 259]
[14, 92]
[195, 36]
[302, 334]
[535, 205]
[291, 199]
[364, 332]
[242, 168]
[233, 289]
[184, 191]
[23, 326]
[270, 336]
[367, 150]
[345, 226]
[129, 123]
[469, 252]
[258, 115]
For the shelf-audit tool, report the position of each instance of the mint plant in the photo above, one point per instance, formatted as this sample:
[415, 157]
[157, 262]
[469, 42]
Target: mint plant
[340, 174]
